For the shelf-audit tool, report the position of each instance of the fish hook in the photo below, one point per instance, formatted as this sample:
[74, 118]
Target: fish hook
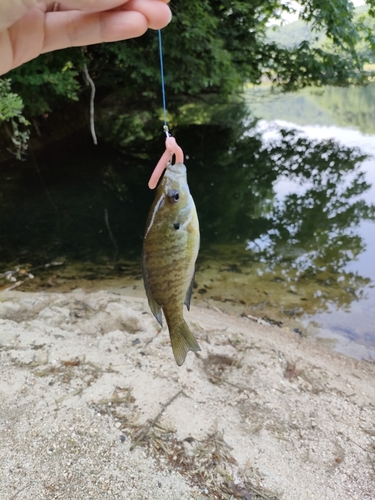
[171, 148]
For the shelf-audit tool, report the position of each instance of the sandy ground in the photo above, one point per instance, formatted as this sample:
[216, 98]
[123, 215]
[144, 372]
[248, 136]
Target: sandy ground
[93, 406]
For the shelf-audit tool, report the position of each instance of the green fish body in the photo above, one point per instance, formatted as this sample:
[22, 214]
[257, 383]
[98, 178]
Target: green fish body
[170, 249]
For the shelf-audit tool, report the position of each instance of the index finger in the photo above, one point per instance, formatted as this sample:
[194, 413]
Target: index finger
[92, 5]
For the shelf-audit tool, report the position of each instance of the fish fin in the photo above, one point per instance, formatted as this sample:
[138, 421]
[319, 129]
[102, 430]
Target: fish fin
[182, 341]
[154, 306]
[189, 293]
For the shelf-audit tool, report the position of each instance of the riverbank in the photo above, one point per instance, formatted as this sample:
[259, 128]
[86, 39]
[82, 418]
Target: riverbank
[94, 406]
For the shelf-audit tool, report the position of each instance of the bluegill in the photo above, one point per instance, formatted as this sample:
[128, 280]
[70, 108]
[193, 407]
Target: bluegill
[170, 249]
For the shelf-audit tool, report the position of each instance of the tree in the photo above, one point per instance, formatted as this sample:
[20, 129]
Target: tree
[211, 48]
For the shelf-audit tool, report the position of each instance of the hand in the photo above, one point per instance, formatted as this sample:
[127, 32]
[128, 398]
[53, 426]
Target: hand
[29, 28]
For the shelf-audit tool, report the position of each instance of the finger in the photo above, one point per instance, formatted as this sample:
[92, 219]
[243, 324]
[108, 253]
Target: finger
[157, 14]
[96, 5]
[89, 5]
[12, 10]
[23, 41]
[71, 29]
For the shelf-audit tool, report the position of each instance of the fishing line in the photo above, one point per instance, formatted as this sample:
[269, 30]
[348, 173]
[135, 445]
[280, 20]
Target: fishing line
[171, 146]
[165, 127]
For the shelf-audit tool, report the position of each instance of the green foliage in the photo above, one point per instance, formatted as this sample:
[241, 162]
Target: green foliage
[210, 48]
[304, 66]
[11, 104]
[293, 34]
[47, 82]
[11, 107]
[335, 18]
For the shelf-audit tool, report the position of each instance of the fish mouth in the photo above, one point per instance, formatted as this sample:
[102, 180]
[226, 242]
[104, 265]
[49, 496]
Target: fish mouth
[177, 168]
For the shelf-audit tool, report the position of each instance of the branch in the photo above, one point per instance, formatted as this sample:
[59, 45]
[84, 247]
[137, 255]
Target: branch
[92, 85]
[153, 422]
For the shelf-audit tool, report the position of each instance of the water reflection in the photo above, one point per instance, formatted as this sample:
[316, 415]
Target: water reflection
[296, 205]
[314, 229]
[347, 107]
[274, 252]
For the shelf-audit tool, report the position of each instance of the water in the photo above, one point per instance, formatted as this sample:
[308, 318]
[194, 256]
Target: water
[355, 327]
[285, 207]
[352, 326]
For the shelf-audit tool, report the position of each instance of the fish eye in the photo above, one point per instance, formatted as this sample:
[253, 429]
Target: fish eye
[173, 196]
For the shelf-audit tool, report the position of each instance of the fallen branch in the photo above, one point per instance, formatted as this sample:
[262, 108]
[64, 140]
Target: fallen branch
[20, 491]
[146, 429]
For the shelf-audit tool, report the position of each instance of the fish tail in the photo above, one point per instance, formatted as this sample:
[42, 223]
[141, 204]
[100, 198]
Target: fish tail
[182, 341]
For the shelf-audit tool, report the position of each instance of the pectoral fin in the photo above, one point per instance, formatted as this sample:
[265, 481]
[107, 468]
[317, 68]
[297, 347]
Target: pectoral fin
[189, 293]
[154, 306]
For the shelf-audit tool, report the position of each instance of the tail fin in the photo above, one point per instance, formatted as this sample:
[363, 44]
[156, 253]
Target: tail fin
[182, 341]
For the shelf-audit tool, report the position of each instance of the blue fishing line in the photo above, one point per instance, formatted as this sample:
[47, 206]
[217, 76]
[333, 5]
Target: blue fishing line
[165, 127]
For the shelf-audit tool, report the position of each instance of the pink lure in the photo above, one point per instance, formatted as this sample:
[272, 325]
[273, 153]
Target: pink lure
[171, 148]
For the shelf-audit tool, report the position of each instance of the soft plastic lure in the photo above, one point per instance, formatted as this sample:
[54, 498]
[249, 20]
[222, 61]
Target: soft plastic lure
[171, 149]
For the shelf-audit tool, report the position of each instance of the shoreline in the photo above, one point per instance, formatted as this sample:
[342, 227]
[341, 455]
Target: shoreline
[86, 375]
[219, 285]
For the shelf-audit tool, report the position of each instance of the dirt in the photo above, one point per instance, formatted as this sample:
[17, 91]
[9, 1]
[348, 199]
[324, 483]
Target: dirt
[94, 406]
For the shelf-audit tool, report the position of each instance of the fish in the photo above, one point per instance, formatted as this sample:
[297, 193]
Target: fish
[170, 249]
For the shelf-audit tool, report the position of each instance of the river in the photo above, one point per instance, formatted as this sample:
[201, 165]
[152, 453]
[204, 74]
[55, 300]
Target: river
[285, 206]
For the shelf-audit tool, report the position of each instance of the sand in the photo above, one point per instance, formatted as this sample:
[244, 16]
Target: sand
[93, 406]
